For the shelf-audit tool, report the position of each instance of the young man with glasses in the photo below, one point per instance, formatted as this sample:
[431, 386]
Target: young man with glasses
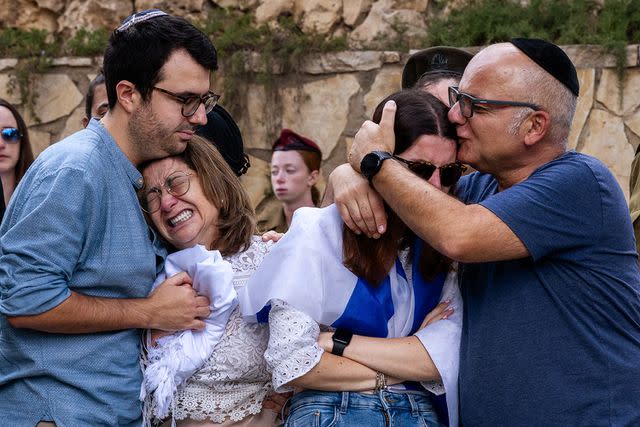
[77, 259]
[549, 272]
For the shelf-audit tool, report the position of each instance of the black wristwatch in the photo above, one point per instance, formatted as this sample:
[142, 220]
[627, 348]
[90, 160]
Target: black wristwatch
[372, 162]
[341, 339]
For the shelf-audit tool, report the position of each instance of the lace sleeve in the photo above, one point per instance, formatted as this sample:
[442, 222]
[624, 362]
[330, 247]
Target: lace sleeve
[293, 348]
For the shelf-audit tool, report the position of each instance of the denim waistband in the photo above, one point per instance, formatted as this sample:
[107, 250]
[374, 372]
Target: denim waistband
[414, 401]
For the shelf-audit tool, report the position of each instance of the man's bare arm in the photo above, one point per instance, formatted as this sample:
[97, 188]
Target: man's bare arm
[172, 306]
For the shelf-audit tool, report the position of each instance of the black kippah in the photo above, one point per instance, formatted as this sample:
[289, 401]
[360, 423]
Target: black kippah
[223, 131]
[552, 59]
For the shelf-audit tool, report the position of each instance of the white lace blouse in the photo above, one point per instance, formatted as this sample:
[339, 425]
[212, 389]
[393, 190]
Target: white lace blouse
[234, 381]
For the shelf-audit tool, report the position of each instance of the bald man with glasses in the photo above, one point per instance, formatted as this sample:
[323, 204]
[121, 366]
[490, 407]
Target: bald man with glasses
[548, 263]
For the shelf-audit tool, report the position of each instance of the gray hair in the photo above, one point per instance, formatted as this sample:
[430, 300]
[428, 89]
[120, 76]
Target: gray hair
[555, 98]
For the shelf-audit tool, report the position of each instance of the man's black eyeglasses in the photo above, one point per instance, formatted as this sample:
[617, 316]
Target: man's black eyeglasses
[191, 103]
[469, 103]
[449, 173]
[11, 135]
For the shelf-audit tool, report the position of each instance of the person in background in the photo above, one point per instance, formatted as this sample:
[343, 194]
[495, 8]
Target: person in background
[225, 134]
[96, 103]
[295, 169]
[435, 69]
[15, 150]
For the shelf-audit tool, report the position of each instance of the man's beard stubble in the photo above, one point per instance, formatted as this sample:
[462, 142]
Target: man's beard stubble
[149, 138]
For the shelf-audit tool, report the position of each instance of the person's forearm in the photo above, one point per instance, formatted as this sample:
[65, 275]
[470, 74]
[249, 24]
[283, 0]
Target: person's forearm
[404, 358]
[467, 233]
[84, 314]
[335, 373]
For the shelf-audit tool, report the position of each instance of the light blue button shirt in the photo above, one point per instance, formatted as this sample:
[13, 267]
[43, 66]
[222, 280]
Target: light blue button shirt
[74, 223]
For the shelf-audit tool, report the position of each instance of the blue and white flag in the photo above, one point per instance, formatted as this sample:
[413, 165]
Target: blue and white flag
[305, 269]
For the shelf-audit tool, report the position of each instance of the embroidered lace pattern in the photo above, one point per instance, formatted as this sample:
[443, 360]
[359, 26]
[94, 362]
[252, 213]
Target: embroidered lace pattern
[234, 381]
[293, 349]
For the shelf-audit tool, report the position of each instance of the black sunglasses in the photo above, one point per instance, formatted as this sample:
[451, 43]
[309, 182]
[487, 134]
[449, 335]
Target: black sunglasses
[191, 103]
[469, 103]
[449, 173]
[11, 135]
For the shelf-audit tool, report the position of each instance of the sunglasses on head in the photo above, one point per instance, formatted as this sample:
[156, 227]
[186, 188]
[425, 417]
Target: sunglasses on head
[11, 135]
[449, 173]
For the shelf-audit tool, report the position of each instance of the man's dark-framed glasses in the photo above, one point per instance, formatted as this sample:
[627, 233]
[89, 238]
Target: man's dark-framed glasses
[449, 173]
[468, 103]
[11, 135]
[176, 184]
[191, 103]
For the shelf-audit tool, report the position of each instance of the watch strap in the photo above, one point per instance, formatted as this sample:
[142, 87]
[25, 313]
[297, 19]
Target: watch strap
[341, 339]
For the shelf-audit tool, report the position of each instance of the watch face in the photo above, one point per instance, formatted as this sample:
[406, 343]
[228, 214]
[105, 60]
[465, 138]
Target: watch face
[372, 162]
[369, 164]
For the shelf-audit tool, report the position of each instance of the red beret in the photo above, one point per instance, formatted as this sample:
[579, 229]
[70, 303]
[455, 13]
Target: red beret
[289, 140]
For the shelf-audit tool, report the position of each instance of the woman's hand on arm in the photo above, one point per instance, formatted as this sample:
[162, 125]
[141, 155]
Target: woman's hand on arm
[403, 358]
[336, 373]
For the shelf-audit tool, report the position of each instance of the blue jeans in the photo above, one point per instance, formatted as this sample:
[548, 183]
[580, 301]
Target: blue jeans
[345, 409]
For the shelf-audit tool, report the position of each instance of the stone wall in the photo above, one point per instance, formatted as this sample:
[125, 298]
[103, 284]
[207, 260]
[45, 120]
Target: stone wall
[332, 94]
[360, 20]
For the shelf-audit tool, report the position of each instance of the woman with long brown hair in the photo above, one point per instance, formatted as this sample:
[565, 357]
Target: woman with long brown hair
[322, 275]
[15, 150]
[197, 206]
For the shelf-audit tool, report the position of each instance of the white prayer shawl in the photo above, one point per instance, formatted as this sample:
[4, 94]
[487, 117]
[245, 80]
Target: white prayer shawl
[176, 357]
[305, 270]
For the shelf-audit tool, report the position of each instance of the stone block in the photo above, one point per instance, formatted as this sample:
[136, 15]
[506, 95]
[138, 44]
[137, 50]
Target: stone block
[387, 81]
[257, 180]
[8, 63]
[94, 14]
[417, 5]
[596, 56]
[57, 97]
[390, 57]
[605, 139]
[27, 14]
[74, 122]
[52, 5]
[586, 76]
[380, 21]
[72, 61]
[343, 62]
[39, 141]
[352, 10]
[237, 4]
[180, 8]
[633, 123]
[320, 109]
[608, 93]
[6, 91]
[271, 9]
[253, 122]
[318, 16]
